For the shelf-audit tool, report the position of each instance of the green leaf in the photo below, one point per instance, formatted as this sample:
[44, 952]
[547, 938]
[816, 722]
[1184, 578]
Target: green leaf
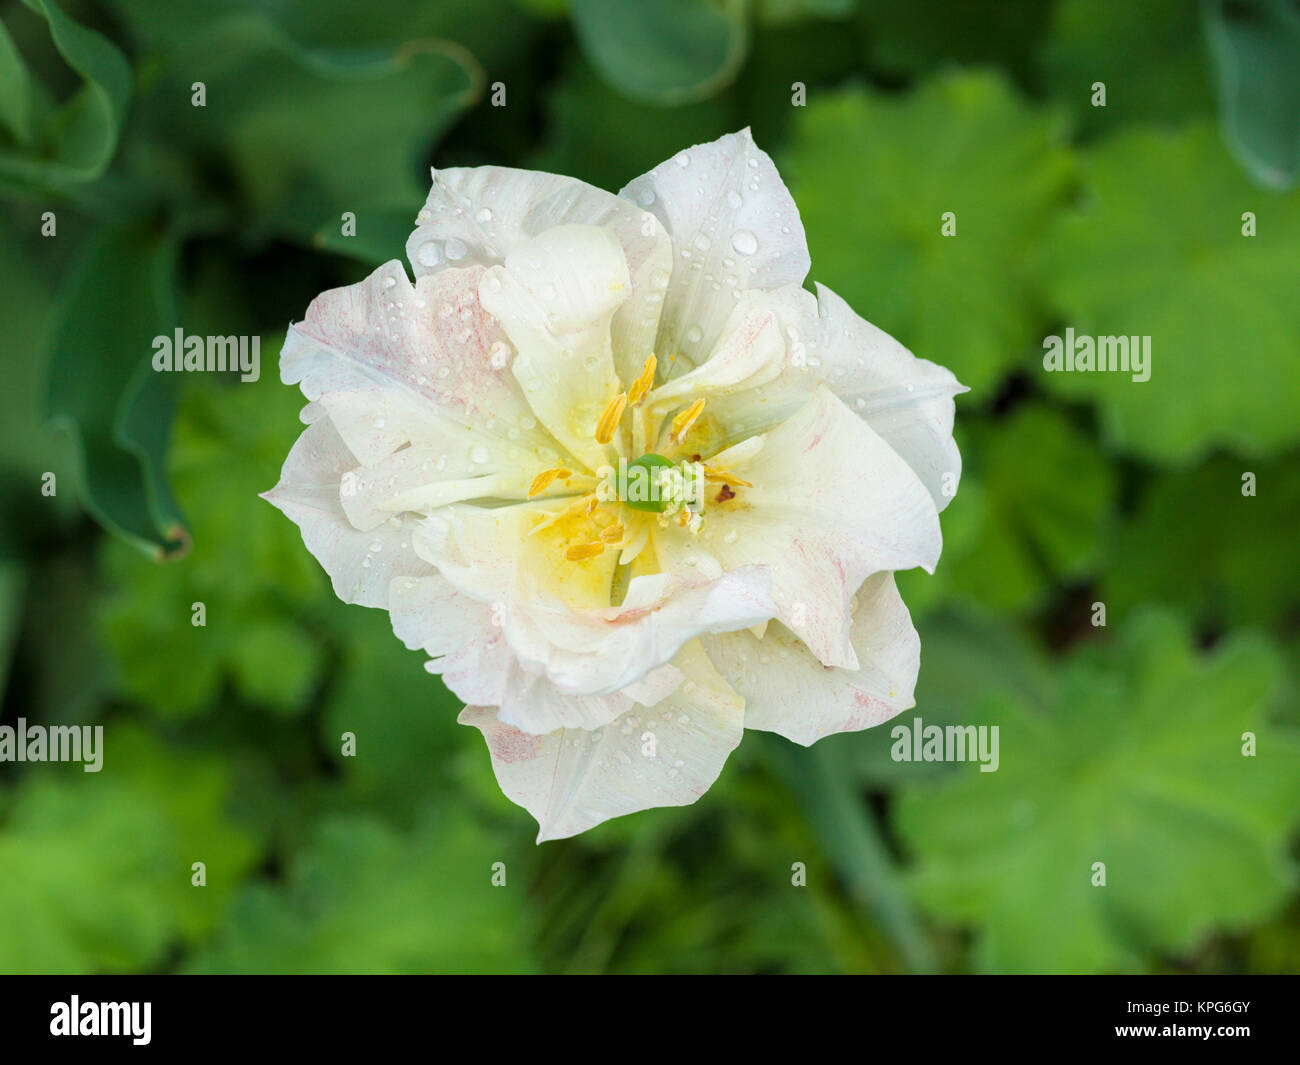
[1040, 493]
[915, 38]
[782, 12]
[1149, 56]
[98, 865]
[1255, 44]
[965, 659]
[1225, 563]
[103, 389]
[873, 177]
[247, 567]
[662, 51]
[312, 131]
[15, 91]
[403, 718]
[29, 446]
[589, 121]
[1156, 249]
[1140, 766]
[363, 898]
[380, 235]
[78, 139]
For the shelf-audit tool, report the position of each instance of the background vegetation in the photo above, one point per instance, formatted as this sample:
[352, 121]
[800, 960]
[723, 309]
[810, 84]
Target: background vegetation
[1119, 743]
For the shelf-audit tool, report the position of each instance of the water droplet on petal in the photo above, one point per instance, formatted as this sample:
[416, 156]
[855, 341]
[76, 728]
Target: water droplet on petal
[484, 216]
[428, 253]
[683, 159]
[455, 249]
[744, 242]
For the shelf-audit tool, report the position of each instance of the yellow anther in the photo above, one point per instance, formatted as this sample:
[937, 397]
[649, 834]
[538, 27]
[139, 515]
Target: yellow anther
[609, 420]
[718, 477]
[546, 478]
[580, 552]
[613, 534]
[643, 383]
[683, 422]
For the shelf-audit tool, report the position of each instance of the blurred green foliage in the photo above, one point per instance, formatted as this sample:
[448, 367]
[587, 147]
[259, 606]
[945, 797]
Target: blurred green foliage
[225, 743]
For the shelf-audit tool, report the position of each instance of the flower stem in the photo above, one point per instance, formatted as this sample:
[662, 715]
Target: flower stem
[853, 841]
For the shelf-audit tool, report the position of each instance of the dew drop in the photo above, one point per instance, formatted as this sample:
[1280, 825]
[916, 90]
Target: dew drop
[744, 242]
[428, 253]
[484, 216]
[455, 249]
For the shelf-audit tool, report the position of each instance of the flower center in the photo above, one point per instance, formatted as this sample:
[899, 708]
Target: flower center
[618, 512]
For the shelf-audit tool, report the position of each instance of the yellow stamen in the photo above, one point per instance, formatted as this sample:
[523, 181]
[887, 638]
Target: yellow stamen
[642, 384]
[683, 422]
[609, 420]
[613, 534]
[546, 478]
[718, 477]
[580, 552]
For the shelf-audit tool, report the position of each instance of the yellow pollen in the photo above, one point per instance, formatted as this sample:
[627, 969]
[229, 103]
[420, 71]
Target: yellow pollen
[546, 478]
[580, 552]
[642, 384]
[613, 534]
[683, 422]
[609, 420]
[718, 477]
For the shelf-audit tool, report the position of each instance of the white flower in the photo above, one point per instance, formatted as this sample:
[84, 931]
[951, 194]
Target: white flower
[480, 443]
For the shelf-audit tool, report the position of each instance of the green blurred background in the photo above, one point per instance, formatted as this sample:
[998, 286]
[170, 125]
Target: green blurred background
[1121, 744]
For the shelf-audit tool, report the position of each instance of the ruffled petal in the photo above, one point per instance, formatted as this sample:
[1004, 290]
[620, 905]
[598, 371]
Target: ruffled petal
[788, 691]
[361, 563]
[665, 755]
[908, 401]
[734, 226]
[555, 297]
[830, 504]
[484, 214]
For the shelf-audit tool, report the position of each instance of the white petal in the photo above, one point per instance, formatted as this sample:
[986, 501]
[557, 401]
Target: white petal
[470, 652]
[908, 401]
[788, 691]
[361, 564]
[600, 652]
[733, 224]
[667, 755]
[394, 363]
[831, 503]
[555, 297]
[484, 214]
